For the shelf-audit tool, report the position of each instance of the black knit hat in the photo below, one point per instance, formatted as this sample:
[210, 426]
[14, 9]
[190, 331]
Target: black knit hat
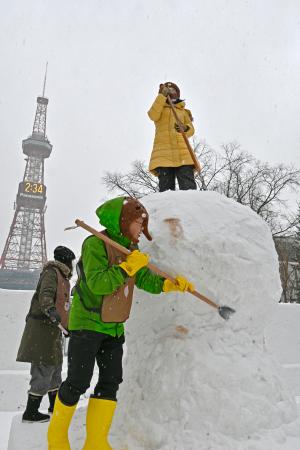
[63, 254]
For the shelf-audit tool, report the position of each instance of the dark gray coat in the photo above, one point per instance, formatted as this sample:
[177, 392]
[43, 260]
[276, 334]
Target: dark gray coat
[42, 341]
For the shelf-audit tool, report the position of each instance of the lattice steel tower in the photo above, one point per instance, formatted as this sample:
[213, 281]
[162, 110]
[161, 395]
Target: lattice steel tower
[25, 249]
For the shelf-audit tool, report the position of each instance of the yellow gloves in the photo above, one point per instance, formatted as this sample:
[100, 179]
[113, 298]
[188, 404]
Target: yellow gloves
[182, 285]
[134, 262]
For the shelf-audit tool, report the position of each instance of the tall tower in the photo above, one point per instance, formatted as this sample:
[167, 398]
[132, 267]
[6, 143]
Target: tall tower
[25, 249]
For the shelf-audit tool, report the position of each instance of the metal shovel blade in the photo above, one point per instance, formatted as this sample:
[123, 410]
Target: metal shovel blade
[225, 312]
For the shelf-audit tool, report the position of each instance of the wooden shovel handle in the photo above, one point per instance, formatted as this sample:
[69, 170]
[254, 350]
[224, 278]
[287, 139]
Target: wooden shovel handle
[152, 267]
[192, 153]
[65, 332]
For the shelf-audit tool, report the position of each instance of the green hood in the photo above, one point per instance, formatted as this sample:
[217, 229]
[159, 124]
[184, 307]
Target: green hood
[109, 217]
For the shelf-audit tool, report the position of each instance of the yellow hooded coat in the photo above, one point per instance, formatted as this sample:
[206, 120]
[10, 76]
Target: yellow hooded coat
[169, 148]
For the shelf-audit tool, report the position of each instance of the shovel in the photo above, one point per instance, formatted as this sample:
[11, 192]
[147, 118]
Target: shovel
[224, 311]
[192, 153]
[64, 331]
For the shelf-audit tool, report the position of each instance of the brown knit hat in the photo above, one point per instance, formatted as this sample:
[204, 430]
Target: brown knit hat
[132, 209]
[173, 85]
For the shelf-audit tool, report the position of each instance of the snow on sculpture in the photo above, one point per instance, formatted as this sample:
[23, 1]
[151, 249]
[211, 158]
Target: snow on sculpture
[192, 380]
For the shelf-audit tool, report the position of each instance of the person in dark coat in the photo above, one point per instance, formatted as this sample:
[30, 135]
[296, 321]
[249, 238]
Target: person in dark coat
[41, 343]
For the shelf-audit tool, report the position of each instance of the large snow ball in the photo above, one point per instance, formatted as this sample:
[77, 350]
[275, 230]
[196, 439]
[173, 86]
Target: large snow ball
[192, 379]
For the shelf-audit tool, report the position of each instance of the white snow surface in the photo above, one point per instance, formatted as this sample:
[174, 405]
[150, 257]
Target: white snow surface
[192, 381]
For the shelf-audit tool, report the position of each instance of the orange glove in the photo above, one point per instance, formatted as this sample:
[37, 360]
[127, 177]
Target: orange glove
[134, 262]
[182, 285]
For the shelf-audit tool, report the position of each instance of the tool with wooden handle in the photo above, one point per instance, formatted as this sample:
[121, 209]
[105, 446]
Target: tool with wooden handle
[192, 153]
[64, 331]
[224, 311]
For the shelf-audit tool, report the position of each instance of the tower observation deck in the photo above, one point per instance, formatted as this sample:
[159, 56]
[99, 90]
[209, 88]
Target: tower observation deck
[25, 249]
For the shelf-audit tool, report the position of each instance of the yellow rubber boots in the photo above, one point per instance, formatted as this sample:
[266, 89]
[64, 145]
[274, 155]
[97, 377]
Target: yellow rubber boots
[59, 425]
[100, 413]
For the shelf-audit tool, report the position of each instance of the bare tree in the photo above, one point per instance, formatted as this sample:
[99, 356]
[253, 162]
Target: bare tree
[297, 256]
[233, 173]
[289, 267]
[136, 183]
[283, 257]
[260, 186]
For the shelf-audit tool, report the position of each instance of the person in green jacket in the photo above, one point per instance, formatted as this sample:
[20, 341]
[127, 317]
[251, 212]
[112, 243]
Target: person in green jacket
[101, 303]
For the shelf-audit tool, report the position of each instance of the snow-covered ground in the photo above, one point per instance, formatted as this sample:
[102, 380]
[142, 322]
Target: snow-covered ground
[14, 379]
[192, 380]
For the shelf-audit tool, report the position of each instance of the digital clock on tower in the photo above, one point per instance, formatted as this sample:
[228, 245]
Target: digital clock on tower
[30, 187]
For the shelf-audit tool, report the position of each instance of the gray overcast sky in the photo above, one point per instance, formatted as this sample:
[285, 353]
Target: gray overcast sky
[237, 64]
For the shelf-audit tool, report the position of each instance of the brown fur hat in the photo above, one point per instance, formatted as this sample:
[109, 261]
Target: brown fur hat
[132, 209]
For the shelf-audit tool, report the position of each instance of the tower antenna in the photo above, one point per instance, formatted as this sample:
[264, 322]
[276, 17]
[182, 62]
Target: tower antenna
[45, 79]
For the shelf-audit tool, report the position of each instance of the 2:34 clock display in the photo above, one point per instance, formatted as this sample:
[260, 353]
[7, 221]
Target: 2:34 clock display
[33, 188]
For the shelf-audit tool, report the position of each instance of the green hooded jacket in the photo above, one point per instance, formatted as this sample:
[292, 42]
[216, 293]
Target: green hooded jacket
[102, 279]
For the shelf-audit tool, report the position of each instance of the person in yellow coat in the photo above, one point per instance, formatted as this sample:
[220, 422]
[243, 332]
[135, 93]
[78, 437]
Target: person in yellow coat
[170, 158]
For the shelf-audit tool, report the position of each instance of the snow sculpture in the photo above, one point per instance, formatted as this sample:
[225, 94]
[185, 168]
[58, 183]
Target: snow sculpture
[192, 380]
